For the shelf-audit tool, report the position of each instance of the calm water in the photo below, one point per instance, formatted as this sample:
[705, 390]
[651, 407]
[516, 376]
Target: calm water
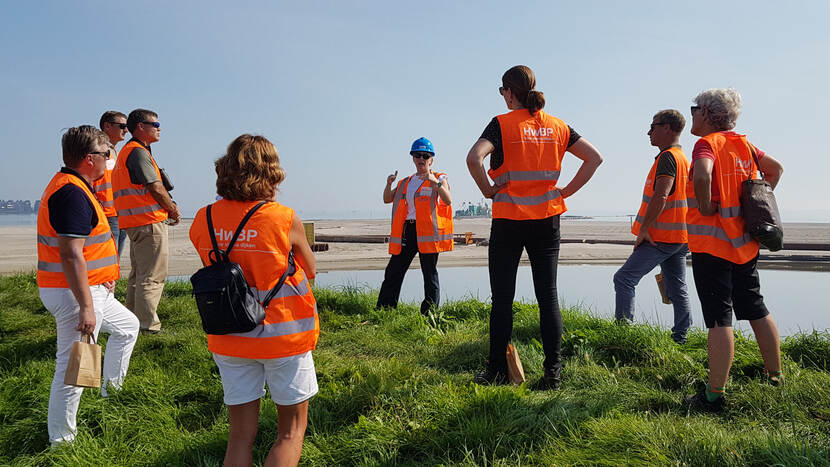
[795, 298]
[10, 220]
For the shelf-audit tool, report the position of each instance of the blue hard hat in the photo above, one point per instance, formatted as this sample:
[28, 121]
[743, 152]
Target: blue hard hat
[422, 145]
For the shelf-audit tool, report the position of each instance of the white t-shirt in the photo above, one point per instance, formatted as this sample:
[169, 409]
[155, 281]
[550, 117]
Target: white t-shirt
[415, 182]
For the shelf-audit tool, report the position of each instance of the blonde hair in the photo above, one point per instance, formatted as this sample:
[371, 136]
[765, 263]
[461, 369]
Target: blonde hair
[250, 171]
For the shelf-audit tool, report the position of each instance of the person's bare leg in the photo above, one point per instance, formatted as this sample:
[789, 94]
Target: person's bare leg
[244, 420]
[292, 422]
[721, 353]
[766, 334]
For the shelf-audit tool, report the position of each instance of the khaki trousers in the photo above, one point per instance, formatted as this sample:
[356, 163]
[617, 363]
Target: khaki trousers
[148, 260]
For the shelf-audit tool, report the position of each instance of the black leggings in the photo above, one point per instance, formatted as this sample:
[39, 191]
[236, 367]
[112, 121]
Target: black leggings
[507, 240]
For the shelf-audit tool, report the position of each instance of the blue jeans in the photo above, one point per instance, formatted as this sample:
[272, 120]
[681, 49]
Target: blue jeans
[120, 236]
[672, 260]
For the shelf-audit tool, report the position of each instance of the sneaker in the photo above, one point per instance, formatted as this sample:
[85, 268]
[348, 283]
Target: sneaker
[700, 402]
[680, 339]
[489, 377]
[550, 380]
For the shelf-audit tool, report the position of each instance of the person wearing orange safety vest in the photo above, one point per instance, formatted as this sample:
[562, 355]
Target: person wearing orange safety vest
[76, 272]
[144, 209]
[660, 227]
[724, 256]
[421, 223]
[527, 146]
[277, 351]
[114, 124]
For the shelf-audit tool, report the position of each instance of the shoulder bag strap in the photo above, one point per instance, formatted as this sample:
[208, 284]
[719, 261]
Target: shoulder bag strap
[219, 255]
[755, 158]
[241, 225]
[289, 271]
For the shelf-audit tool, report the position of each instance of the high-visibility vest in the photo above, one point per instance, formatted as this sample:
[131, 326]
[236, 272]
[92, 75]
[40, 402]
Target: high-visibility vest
[291, 325]
[134, 204]
[723, 234]
[103, 188]
[670, 226]
[433, 218]
[99, 247]
[533, 149]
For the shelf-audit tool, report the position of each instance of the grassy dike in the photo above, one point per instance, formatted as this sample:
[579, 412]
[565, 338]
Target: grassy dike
[395, 388]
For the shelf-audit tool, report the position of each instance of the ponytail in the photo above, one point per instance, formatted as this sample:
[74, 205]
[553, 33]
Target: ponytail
[535, 101]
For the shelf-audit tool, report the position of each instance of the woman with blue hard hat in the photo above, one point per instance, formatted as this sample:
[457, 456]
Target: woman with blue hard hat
[526, 147]
[421, 223]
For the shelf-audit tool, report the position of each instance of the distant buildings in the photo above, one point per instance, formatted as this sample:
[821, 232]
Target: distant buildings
[18, 206]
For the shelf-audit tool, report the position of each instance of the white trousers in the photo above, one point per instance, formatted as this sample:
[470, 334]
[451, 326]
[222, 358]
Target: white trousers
[110, 316]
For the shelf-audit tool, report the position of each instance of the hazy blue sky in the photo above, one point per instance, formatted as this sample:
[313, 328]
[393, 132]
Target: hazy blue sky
[343, 88]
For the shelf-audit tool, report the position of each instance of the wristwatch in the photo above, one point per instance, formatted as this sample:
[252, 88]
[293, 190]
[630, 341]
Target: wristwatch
[439, 184]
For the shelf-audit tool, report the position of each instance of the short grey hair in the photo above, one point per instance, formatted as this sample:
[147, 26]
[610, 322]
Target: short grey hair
[723, 106]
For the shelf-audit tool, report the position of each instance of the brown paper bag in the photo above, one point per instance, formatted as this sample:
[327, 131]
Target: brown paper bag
[84, 368]
[515, 371]
[662, 288]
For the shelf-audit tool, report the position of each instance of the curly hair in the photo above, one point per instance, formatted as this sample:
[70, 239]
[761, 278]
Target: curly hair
[723, 106]
[250, 171]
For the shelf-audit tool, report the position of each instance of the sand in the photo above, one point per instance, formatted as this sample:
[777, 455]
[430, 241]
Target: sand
[18, 252]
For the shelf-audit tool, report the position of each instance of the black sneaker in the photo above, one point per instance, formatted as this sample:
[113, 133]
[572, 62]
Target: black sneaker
[550, 380]
[680, 339]
[700, 402]
[489, 377]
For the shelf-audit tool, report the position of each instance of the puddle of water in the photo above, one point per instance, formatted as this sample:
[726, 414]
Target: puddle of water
[795, 298]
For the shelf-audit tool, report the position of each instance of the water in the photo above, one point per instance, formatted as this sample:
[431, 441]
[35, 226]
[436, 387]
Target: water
[794, 298]
[11, 220]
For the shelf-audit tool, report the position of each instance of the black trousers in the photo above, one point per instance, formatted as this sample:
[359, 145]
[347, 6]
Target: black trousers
[540, 237]
[390, 289]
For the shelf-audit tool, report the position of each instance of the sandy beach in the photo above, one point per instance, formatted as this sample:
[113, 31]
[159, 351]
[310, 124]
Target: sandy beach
[18, 252]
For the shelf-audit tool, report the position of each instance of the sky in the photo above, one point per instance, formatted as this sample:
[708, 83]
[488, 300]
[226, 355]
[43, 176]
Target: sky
[343, 88]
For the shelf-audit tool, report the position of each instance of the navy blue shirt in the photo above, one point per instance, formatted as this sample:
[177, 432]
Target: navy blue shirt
[71, 212]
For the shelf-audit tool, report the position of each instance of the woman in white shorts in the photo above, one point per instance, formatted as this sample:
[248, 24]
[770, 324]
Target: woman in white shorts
[277, 351]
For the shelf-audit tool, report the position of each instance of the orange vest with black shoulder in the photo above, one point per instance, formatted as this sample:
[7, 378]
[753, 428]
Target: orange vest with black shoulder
[291, 325]
[670, 226]
[433, 218]
[723, 234]
[99, 247]
[103, 188]
[533, 149]
[134, 204]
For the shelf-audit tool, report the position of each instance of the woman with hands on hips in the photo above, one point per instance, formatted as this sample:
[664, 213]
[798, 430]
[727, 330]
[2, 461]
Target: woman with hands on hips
[421, 223]
[526, 147]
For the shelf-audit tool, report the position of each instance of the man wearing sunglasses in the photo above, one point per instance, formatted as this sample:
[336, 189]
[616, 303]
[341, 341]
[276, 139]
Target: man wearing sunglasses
[114, 124]
[143, 205]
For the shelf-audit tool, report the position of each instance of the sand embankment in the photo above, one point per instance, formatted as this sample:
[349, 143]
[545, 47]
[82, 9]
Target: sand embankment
[18, 252]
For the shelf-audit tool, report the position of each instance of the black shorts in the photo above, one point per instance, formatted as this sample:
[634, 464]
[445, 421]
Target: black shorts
[723, 286]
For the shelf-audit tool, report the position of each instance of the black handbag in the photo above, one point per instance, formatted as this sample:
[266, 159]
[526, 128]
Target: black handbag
[224, 299]
[760, 210]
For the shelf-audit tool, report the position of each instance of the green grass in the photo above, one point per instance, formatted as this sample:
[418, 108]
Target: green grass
[395, 388]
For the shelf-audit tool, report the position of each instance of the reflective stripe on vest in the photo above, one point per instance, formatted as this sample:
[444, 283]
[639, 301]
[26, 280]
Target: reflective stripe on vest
[433, 219]
[291, 325]
[134, 204]
[533, 148]
[723, 234]
[670, 225]
[98, 250]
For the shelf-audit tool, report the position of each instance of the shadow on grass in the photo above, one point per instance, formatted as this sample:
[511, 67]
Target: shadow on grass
[26, 350]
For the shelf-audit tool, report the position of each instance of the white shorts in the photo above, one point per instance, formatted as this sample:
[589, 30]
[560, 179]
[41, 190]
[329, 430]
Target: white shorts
[291, 379]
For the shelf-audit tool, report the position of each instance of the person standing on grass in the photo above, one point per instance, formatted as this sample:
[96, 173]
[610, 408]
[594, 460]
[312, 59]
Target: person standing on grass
[143, 205]
[527, 146]
[421, 224]
[114, 124]
[724, 256]
[76, 272]
[660, 227]
[279, 349]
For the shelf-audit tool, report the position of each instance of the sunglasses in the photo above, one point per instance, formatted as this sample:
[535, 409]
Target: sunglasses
[421, 155]
[104, 154]
[154, 124]
[123, 126]
[501, 90]
[695, 107]
[657, 124]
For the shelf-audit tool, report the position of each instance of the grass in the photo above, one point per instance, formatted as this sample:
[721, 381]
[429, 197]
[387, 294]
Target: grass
[395, 388]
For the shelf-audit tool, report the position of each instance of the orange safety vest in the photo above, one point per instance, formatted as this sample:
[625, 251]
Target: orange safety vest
[670, 226]
[99, 247]
[134, 204]
[533, 149]
[103, 188]
[723, 234]
[291, 325]
[433, 218]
